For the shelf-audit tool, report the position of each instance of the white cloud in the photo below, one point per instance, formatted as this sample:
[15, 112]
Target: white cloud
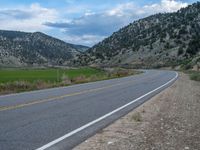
[93, 26]
[164, 6]
[128, 9]
[87, 40]
[29, 18]
[88, 29]
[122, 9]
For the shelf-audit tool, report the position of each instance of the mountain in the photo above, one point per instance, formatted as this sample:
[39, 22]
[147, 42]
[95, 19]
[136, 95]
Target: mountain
[21, 49]
[159, 40]
[81, 48]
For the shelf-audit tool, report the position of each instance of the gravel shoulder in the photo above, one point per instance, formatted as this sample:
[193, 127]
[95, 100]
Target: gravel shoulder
[169, 121]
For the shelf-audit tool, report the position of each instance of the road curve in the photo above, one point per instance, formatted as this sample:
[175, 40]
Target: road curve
[61, 118]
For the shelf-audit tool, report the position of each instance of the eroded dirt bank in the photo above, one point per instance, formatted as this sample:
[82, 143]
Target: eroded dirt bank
[169, 121]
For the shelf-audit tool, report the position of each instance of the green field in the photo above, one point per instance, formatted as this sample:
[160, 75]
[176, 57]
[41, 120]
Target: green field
[18, 80]
[50, 75]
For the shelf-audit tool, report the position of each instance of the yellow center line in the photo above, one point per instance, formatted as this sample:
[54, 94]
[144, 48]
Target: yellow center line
[34, 102]
[4, 108]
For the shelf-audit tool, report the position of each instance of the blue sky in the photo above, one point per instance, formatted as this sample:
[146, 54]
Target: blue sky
[83, 22]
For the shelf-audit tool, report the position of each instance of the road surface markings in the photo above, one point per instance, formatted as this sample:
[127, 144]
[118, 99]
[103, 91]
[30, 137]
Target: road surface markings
[105, 116]
[4, 108]
[34, 102]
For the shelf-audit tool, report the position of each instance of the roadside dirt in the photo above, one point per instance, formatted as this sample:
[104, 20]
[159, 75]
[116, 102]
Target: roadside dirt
[169, 121]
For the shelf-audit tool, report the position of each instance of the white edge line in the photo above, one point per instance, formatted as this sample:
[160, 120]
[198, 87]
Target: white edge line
[103, 117]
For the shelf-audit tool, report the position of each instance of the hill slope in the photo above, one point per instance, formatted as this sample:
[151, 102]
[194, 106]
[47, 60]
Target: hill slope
[81, 48]
[159, 40]
[20, 49]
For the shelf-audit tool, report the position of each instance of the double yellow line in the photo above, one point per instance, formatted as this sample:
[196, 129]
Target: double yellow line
[4, 108]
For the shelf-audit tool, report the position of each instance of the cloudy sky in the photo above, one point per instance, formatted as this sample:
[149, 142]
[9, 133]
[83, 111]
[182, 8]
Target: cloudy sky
[83, 22]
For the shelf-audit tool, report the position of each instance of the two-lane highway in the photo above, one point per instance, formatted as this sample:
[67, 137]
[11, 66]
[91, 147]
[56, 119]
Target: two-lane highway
[61, 118]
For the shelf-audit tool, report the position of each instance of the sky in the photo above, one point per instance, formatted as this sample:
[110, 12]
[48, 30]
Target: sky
[83, 22]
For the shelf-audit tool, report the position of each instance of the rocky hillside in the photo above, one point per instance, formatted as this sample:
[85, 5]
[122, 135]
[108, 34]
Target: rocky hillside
[21, 49]
[159, 40]
[81, 48]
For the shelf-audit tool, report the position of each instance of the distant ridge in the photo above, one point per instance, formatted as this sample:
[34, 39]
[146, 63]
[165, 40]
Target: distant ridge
[21, 49]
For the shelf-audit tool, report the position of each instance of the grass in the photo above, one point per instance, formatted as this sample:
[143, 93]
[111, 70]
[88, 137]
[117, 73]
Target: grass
[49, 75]
[194, 75]
[18, 80]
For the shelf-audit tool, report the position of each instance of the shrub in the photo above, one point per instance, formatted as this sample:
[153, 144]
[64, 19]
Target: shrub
[195, 76]
[180, 51]
[39, 84]
[65, 79]
[193, 46]
[15, 86]
[137, 117]
[187, 66]
[79, 79]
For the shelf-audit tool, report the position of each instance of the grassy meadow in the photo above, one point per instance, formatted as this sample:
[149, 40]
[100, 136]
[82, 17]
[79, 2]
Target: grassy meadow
[14, 80]
[48, 75]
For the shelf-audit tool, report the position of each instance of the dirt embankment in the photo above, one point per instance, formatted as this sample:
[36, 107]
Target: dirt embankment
[169, 121]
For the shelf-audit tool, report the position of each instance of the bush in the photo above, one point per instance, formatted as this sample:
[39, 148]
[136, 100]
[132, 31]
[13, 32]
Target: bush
[119, 72]
[180, 51]
[187, 66]
[39, 84]
[15, 86]
[66, 80]
[79, 79]
[193, 46]
[137, 117]
[195, 76]
[167, 45]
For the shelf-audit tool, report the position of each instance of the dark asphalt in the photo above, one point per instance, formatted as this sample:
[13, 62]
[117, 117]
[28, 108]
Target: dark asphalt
[32, 119]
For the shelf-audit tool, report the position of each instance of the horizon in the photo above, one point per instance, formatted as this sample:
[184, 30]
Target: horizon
[80, 22]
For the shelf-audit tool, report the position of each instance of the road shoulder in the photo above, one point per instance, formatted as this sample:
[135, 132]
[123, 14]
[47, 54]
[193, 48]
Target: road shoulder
[170, 120]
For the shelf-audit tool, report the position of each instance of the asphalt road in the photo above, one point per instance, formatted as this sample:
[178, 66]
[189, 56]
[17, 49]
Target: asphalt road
[61, 118]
